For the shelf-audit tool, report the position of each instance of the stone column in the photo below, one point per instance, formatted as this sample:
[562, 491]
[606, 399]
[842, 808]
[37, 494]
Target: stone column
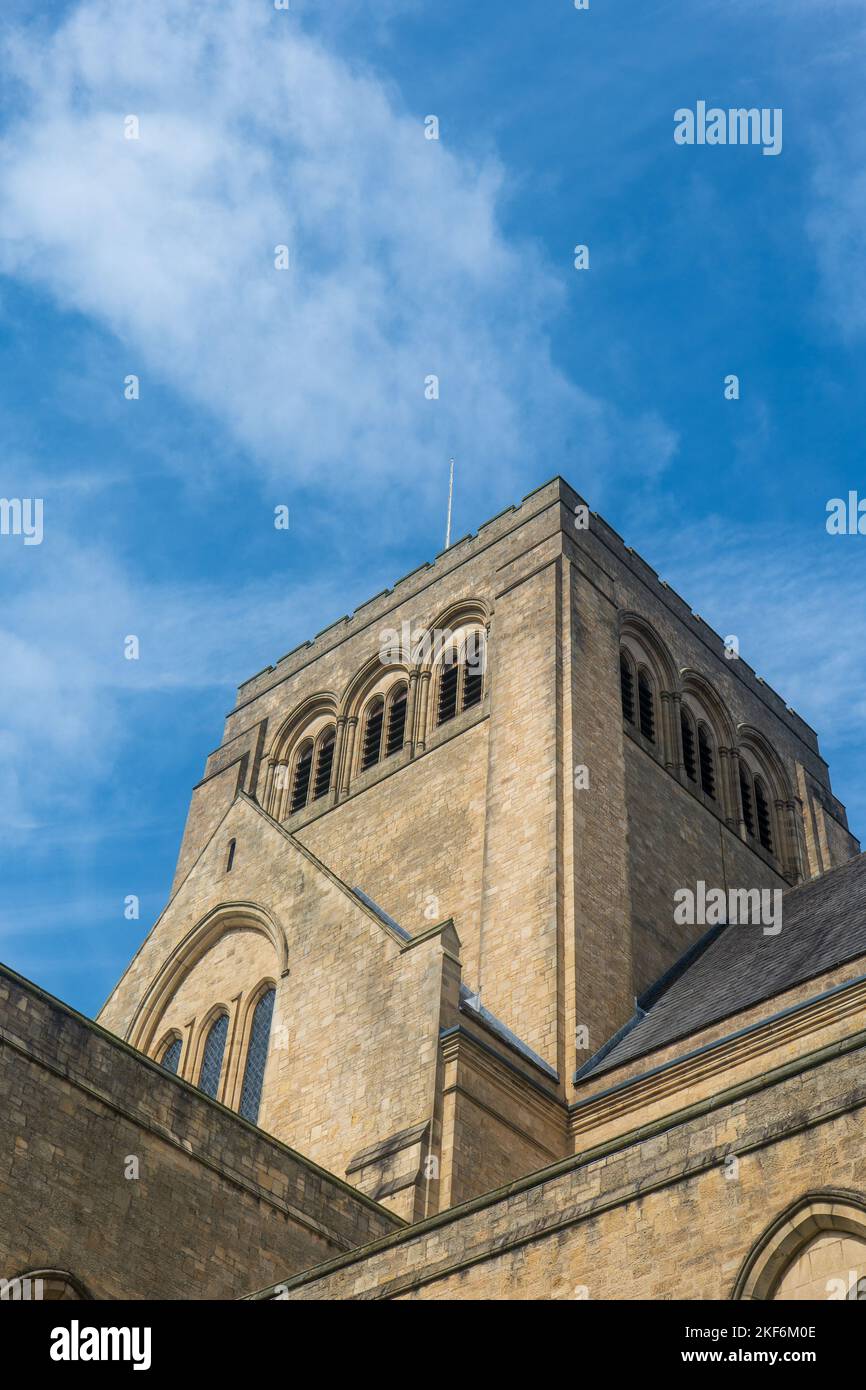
[281, 800]
[411, 705]
[339, 744]
[787, 815]
[672, 733]
[423, 700]
[348, 751]
[736, 819]
[268, 793]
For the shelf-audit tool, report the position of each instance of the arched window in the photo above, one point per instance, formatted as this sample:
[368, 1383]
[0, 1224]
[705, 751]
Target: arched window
[646, 706]
[746, 797]
[212, 1060]
[324, 764]
[814, 1250]
[689, 759]
[301, 783]
[257, 1056]
[474, 665]
[396, 721]
[762, 808]
[171, 1056]
[448, 680]
[705, 759]
[230, 856]
[371, 749]
[626, 686]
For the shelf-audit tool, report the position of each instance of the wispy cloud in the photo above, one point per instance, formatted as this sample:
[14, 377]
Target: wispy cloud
[68, 688]
[253, 136]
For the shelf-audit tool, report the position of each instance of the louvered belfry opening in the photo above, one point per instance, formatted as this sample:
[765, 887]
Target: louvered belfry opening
[324, 763]
[473, 670]
[626, 685]
[301, 784]
[746, 797]
[689, 761]
[396, 722]
[372, 747]
[448, 688]
[765, 834]
[646, 707]
[705, 757]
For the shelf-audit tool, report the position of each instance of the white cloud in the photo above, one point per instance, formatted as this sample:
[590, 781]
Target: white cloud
[797, 604]
[251, 136]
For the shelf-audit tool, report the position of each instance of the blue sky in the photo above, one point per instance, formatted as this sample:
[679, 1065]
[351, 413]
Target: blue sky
[408, 257]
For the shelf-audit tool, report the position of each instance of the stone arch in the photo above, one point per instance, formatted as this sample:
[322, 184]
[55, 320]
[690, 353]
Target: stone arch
[464, 614]
[701, 702]
[646, 642]
[705, 697]
[444, 647]
[45, 1285]
[651, 662]
[169, 1037]
[762, 761]
[147, 1022]
[375, 676]
[323, 704]
[768, 760]
[309, 719]
[791, 1232]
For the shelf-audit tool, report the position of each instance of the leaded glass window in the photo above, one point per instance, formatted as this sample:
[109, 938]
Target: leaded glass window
[257, 1056]
[212, 1061]
[171, 1056]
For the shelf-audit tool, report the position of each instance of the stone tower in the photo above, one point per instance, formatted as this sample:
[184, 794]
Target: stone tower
[418, 890]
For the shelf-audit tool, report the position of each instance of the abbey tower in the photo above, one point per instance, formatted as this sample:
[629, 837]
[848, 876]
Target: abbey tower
[450, 876]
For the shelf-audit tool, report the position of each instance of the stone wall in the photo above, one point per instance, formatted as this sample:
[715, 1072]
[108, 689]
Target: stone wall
[217, 1207]
[663, 1213]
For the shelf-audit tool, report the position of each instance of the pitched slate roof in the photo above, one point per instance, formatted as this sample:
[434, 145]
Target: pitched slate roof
[734, 967]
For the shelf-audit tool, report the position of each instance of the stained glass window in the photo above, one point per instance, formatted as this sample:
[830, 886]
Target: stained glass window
[171, 1056]
[212, 1061]
[257, 1056]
